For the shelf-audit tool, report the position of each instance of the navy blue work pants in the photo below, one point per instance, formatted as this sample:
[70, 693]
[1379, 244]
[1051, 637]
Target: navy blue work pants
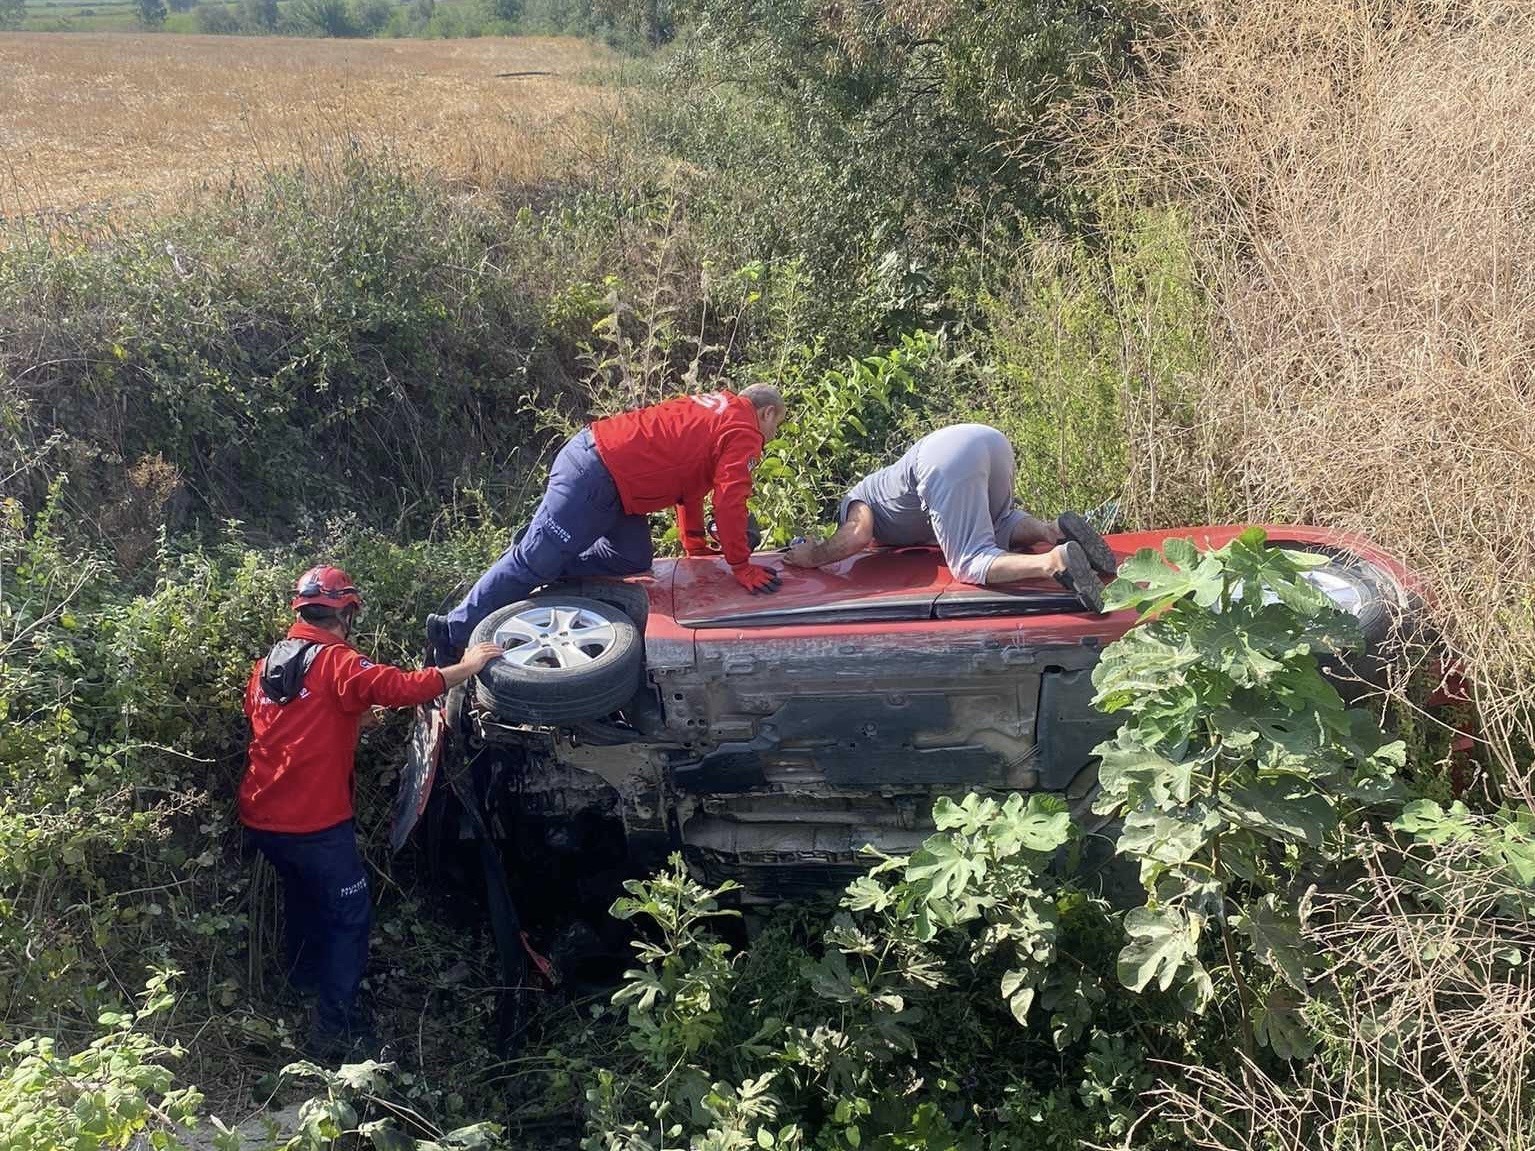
[579, 529]
[327, 911]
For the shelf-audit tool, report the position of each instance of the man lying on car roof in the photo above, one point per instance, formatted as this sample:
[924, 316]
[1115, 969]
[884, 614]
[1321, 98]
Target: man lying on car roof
[604, 481]
[954, 488]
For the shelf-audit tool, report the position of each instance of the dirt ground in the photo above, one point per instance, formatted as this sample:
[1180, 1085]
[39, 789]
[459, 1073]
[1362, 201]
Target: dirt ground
[90, 122]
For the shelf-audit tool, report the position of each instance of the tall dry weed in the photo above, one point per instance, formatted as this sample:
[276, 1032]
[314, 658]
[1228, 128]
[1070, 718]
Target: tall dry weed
[1431, 1039]
[1363, 177]
[1361, 174]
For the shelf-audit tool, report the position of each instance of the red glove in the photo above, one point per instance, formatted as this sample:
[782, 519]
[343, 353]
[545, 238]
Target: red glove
[697, 544]
[754, 579]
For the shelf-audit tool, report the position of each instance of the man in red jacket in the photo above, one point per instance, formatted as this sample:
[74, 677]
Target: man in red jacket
[306, 702]
[604, 481]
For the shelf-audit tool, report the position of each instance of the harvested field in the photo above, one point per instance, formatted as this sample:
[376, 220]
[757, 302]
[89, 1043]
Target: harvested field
[118, 122]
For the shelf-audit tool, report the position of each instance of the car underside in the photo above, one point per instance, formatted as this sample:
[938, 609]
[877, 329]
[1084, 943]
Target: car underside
[770, 739]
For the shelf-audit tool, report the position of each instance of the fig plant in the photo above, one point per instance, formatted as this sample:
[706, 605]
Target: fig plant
[1236, 771]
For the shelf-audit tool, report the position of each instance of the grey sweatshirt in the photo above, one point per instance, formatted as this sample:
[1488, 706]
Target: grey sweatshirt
[954, 487]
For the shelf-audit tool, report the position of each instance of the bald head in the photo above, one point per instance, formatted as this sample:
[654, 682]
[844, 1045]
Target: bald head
[763, 396]
[769, 405]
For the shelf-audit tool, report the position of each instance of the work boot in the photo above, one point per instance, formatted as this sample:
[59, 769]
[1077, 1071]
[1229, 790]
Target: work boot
[440, 651]
[350, 1039]
[1080, 578]
[332, 1049]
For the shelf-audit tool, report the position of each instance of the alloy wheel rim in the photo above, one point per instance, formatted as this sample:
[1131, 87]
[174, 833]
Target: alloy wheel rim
[555, 637]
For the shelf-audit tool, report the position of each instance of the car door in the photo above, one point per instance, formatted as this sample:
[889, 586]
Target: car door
[845, 682]
[1044, 626]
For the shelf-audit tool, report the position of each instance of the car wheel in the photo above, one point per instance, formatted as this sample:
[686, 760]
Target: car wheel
[1360, 589]
[567, 658]
[1386, 621]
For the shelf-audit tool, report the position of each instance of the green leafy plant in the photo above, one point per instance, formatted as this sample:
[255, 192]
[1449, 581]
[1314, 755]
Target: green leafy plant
[112, 1092]
[675, 1006]
[869, 1030]
[1236, 770]
[357, 1100]
[984, 867]
[1497, 846]
[838, 427]
[675, 998]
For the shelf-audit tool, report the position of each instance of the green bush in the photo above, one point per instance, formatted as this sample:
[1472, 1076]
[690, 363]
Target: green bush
[323, 17]
[1081, 352]
[109, 1094]
[368, 17]
[557, 18]
[879, 152]
[957, 999]
[119, 1092]
[217, 20]
[332, 340]
[1236, 772]
[260, 16]
[839, 429]
[122, 743]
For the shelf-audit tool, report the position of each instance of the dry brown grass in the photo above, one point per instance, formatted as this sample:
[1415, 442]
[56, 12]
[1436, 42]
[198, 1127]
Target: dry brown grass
[128, 121]
[1363, 176]
[1432, 1036]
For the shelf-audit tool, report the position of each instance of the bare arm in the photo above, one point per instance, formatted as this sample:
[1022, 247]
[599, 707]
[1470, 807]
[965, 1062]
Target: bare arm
[855, 534]
[474, 659]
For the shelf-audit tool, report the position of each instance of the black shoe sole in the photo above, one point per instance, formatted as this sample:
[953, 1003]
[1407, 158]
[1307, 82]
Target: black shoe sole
[439, 652]
[1080, 578]
[1084, 535]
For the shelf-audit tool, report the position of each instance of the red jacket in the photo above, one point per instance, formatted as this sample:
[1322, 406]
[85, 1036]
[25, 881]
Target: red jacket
[299, 776]
[676, 452]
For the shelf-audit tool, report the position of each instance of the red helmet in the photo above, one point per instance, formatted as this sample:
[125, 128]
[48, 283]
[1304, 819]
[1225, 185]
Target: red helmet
[327, 587]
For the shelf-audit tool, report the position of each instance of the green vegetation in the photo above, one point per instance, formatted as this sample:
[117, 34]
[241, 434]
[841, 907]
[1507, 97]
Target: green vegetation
[620, 22]
[69, 15]
[1237, 770]
[883, 209]
[980, 994]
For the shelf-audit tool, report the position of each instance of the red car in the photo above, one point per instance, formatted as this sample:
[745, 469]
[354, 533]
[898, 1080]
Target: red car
[770, 738]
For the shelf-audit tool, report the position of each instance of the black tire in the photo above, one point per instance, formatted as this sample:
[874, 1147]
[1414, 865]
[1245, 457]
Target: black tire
[544, 690]
[1387, 618]
[1378, 601]
[626, 597]
[1380, 606]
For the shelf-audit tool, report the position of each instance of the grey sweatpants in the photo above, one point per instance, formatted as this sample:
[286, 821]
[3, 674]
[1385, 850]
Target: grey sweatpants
[954, 487]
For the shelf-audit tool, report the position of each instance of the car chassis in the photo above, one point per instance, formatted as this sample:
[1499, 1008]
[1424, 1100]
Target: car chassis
[770, 739]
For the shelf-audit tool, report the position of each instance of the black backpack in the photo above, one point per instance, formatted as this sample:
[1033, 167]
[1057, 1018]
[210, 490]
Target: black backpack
[282, 676]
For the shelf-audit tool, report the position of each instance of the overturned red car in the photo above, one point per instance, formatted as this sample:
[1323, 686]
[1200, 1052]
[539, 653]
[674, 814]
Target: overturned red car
[770, 738]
